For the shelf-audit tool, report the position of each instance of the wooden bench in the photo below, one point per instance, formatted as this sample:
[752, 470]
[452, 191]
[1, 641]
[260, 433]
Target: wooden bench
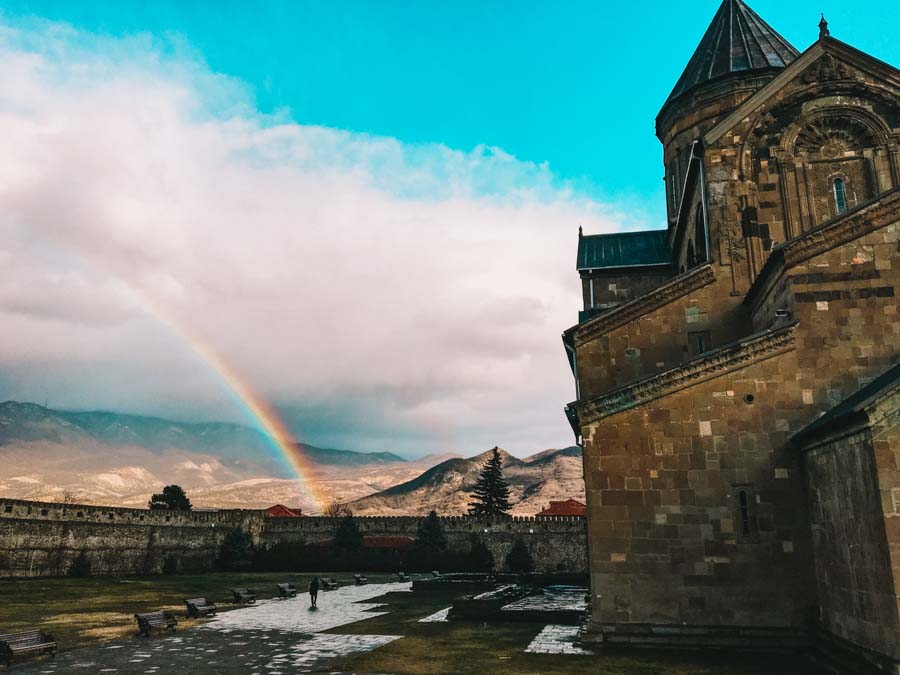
[26, 642]
[243, 595]
[360, 579]
[401, 576]
[149, 621]
[286, 591]
[328, 584]
[197, 607]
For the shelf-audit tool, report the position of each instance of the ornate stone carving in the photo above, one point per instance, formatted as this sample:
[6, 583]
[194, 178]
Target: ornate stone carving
[827, 69]
[659, 297]
[714, 364]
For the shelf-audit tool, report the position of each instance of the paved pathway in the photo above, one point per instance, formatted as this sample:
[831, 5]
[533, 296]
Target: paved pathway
[268, 638]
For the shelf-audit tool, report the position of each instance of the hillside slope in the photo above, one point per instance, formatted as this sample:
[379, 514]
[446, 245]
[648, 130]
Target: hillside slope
[534, 481]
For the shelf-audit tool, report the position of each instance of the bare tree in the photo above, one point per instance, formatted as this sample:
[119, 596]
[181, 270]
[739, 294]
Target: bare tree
[337, 509]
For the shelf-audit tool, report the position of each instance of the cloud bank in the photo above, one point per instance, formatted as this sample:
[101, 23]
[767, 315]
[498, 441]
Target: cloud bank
[381, 295]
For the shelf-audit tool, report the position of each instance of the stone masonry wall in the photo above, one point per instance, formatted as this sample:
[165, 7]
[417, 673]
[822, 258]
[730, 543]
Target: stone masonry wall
[42, 539]
[667, 542]
[856, 586]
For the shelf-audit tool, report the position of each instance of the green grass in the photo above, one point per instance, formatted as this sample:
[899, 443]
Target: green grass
[476, 648]
[81, 611]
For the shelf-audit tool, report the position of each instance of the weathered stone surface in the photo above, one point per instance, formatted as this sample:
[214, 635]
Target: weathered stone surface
[706, 524]
[42, 539]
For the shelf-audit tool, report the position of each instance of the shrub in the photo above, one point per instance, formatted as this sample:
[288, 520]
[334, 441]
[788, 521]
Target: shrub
[237, 551]
[348, 538]
[480, 558]
[80, 567]
[171, 565]
[519, 558]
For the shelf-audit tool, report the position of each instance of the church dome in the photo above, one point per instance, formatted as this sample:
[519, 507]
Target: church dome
[737, 41]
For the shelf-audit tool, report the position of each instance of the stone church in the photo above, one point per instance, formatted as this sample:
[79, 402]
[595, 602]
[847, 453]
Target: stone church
[737, 376]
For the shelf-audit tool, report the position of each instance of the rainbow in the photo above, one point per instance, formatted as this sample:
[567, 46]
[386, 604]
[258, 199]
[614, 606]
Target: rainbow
[254, 406]
[261, 414]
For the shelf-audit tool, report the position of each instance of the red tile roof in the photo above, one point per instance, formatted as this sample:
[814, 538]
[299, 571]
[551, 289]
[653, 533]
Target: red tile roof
[569, 507]
[282, 511]
[388, 542]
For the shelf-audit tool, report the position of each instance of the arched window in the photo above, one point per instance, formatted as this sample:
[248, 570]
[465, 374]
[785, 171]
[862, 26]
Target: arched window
[840, 199]
[691, 256]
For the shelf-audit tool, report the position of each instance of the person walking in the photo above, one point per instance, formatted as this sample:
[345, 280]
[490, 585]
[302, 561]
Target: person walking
[314, 591]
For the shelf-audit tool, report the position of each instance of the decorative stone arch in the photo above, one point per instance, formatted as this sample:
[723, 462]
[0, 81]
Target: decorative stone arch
[830, 130]
[834, 141]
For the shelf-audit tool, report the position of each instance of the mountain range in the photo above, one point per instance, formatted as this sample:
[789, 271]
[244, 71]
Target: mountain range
[121, 459]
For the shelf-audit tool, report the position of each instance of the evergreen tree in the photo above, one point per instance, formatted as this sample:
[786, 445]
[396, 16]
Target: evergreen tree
[430, 535]
[519, 558]
[491, 496]
[348, 537]
[172, 498]
[237, 551]
[480, 558]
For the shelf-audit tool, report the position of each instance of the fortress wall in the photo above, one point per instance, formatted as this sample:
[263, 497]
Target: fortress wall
[42, 539]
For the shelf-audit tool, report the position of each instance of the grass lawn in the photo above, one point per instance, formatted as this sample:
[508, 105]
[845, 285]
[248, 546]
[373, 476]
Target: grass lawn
[83, 611]
[80, 611]
[473, 647]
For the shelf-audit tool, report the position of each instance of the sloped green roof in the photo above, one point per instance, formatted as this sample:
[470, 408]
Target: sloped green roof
[625, 249]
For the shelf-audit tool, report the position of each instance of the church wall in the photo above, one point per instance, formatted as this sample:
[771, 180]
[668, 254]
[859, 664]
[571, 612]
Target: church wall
[667, 540]
[851, 480]
[613, 288]
[659, 339]
[846, 303]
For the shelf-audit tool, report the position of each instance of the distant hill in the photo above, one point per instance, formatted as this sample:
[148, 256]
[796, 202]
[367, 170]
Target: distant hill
[446, 487]
[29, 422]
[119, 459]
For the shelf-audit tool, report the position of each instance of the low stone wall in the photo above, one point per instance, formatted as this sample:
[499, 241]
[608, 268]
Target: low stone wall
[42, 539]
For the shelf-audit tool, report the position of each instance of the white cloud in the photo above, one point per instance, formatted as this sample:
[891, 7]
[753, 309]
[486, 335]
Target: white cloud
[385, 295]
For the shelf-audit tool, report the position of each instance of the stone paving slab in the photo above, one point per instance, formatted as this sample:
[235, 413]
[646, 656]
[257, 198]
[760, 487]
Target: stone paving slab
[569, 602]
[442, 615]
[557, 639]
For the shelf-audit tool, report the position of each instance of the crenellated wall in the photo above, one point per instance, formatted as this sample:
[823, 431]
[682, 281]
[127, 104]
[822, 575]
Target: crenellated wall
[42, 539]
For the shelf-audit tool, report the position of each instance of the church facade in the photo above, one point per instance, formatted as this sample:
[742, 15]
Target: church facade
[737, 377]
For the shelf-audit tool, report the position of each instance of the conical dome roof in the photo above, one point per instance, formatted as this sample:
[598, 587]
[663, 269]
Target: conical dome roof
[737, 41]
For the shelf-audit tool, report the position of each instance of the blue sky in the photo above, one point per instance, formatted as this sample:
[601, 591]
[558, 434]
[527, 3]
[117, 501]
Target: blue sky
[576, 84]
[369, 211]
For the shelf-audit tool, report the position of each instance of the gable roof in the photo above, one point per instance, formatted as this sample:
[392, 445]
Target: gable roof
[282, 511]
[737, 41]
[853, 405]
[624, 249]
[569, 507]
[825, 44]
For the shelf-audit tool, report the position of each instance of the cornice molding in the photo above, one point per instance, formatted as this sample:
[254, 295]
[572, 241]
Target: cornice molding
[868, 218]
[658, 297]
[735, 356]
[864, 219]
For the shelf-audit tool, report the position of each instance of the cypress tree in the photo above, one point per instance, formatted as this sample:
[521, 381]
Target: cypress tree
[491, 495]
[430, 535]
